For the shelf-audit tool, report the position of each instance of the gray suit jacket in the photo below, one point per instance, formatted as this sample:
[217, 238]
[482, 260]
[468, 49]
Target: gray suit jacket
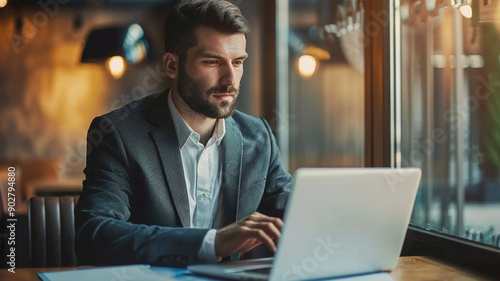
[134, 204]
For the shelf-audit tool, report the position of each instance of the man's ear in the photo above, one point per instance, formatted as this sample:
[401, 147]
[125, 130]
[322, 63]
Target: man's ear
[171, 64]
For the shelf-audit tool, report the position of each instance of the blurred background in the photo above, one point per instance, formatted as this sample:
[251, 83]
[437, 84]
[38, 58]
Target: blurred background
[312, 74]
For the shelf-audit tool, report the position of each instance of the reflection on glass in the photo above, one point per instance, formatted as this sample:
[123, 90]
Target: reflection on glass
[326, 87]
[450, 116]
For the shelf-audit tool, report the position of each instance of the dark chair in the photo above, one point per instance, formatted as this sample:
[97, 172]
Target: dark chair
[51, 231]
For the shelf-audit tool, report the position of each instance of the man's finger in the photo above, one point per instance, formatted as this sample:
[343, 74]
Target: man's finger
[252, 243]
[270, 228]
[262, 236]
[258, 217]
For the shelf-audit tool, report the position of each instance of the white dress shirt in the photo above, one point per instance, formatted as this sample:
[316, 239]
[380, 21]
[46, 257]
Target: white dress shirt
[202, 173]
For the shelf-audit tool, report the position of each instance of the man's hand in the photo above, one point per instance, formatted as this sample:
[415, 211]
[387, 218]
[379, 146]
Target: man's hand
[246, 234]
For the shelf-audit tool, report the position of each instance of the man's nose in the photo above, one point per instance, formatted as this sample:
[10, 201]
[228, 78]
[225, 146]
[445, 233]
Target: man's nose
[228, 77]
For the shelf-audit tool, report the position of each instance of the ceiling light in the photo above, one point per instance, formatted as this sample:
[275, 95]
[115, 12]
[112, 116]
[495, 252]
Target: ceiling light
[128, 42]
[116, 66]
[307, 66]
[466, 11]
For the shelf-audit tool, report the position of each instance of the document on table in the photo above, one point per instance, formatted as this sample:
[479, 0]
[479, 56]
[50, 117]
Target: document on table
[111, 273]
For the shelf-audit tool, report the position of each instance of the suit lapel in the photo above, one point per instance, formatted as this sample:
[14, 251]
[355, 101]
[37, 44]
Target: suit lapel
[165, 138]
[232, 147]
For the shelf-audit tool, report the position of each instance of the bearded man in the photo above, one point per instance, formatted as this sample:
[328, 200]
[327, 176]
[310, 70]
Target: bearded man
[183, 177]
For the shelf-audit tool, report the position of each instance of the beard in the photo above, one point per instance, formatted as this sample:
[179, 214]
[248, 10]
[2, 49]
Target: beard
[195, 94]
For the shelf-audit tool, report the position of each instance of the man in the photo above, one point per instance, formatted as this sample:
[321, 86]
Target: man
[184, 178]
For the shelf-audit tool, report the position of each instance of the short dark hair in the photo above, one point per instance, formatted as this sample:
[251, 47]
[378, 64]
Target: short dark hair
[186, 15]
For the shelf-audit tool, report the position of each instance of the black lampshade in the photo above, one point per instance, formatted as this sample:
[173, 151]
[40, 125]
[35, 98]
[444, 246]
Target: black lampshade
[129, 42]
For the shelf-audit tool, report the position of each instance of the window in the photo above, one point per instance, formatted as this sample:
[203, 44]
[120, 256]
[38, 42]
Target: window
[424, 93]
[448, 114]
[321, 87]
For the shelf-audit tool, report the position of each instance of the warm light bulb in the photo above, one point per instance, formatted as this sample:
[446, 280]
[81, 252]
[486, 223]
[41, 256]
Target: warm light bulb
[307, 66]
[466, 11]
[116, 66]
[3, 3]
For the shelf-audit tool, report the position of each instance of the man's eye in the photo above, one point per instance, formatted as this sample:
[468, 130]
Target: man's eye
[238, 62]
[211, 62]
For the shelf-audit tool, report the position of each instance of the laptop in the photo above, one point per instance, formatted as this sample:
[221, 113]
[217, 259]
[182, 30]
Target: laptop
[338, 222]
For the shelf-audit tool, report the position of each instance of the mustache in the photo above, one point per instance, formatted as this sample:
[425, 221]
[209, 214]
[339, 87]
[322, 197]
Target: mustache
[223, 89]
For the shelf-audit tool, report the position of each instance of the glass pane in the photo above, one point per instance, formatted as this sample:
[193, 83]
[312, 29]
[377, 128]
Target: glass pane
[450, 114]
[326, 83]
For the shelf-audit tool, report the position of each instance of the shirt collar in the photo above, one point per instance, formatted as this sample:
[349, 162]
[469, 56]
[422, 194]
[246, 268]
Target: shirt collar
[184, 131]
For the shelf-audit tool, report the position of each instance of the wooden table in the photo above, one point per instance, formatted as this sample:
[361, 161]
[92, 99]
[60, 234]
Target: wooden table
[426, 268]
[408, 269]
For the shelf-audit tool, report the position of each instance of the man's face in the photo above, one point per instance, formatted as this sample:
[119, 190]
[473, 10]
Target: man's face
[209, 79]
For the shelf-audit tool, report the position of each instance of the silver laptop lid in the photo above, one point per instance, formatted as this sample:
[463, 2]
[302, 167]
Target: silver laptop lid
[343, 221]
